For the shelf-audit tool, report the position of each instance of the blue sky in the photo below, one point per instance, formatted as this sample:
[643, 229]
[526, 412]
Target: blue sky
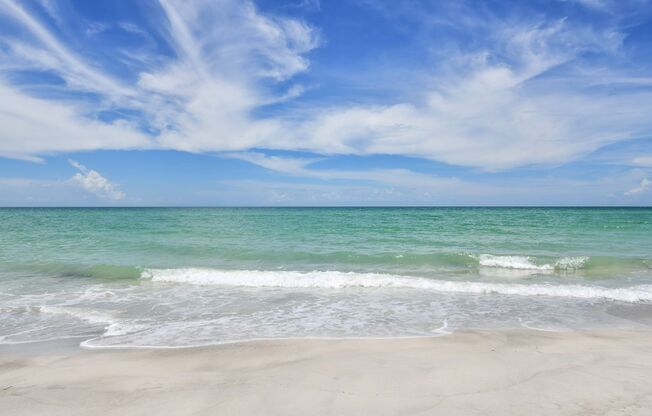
[302, 102]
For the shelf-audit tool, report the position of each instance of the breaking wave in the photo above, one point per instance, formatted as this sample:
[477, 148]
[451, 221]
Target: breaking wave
[340, 280]
[527, 263]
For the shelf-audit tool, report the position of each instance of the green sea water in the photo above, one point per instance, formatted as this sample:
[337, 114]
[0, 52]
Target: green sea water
[194, 276]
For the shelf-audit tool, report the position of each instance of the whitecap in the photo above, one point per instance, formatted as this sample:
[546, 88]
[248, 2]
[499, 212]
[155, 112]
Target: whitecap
[340, 280]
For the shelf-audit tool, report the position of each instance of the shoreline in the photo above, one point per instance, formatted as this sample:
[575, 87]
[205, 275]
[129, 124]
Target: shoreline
[464, 373]
[79, 343]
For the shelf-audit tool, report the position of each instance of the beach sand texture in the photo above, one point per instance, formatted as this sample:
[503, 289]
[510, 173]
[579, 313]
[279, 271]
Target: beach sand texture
[470, 373]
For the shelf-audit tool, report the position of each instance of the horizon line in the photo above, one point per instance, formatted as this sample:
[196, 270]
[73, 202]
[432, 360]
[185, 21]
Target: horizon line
[311, 206]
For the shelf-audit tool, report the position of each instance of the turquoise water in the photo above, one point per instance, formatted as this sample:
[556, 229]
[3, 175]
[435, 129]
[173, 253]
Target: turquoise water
[195, 276]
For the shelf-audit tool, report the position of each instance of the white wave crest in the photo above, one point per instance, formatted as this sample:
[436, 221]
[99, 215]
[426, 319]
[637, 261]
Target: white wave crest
[338, 280]
[511, 262]
[571, 263]
[526, 263]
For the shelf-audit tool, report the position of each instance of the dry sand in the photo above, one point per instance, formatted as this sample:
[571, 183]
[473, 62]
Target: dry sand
[497, 373]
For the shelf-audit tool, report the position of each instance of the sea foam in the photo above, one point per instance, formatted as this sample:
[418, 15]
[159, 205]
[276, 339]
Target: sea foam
[340, 280]
[526, 263]
[112, 326]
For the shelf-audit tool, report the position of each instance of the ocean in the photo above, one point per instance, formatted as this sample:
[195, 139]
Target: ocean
[181, 277]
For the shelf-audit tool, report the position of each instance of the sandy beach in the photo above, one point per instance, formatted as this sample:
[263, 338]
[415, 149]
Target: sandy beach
[471, 373]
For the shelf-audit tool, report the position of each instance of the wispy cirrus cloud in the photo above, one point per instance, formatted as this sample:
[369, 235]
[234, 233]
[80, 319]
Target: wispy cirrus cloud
[200, 100]
[300, 167]
[48, 52]
[503, 102]
[498, 108]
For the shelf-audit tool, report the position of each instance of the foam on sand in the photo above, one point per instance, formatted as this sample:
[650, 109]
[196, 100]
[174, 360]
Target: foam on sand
[112, 326]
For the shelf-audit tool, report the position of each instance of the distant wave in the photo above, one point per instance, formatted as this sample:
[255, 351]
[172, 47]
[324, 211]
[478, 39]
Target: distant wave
[339, 280]
[405, 263]
[527, 263]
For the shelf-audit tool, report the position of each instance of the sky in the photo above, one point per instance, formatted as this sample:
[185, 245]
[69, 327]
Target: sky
[325, 103]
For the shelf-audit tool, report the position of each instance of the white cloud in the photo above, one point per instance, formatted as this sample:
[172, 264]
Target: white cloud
[643, 161]
[394, 177]
[226, 50]
[95, 183]
[57, 56]
[289, 165]
[39, 192]
[201, 100]
[31, 126]
[492, 114]
[642, 187]
[494, 107]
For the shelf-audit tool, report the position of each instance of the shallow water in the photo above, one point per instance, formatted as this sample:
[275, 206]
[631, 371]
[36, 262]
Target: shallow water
[197, 276]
